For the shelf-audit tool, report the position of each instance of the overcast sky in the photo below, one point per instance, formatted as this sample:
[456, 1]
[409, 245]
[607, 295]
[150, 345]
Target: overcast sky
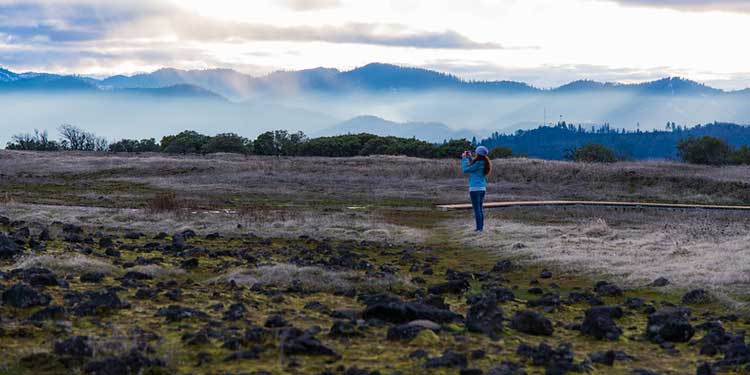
[543, 42]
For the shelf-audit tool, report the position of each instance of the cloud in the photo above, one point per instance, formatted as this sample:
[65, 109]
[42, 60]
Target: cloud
[85, 21]
[692, 5]
[307, 5]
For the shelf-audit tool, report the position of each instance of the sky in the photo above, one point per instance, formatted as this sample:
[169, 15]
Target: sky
[542, 42]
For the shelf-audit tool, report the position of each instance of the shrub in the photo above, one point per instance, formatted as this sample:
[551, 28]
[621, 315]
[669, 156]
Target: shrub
[453, 148]
[76, 139]
[39, 141]
[741, 156]
[228, 142]
[133, 145]
[164, 201]
[187, 142]
[500, 153]
[591, 153]
[705, 150]
[279, 142]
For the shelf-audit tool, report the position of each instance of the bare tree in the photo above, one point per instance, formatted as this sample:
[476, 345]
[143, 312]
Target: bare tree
[76, 139]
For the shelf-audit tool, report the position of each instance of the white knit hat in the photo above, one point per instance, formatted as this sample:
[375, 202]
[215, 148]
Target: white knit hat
[481, 150]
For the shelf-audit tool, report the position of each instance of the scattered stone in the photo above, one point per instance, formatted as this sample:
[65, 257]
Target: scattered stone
[484, 316]
[557, 361]
[451, 287]
[549, 300]
[660, 282]
[342, 328]
[607, 289]
[696, 297]
[599, 322]
[276, 321]
[52, 312]
[545, 274]
[97, 302]
[76, 347]
[507, 368]
[8, 248]
[235, 312]
[92, 277]
[670, 324]
[503, 266]
[532, 323]
[189, 264]
[22, 296]
[175, 313]
[295, 341]
[449, 359]
[395, 311]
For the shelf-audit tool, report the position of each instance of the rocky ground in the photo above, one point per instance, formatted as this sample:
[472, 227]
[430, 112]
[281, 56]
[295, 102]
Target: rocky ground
[102, 301]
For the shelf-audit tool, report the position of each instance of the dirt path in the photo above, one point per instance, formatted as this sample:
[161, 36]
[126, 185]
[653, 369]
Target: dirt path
[466, 206]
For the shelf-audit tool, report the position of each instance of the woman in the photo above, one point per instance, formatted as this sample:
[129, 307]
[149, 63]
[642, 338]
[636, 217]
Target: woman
[478, 169]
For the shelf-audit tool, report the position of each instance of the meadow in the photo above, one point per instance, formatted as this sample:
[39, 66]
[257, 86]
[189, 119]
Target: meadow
[153, 263]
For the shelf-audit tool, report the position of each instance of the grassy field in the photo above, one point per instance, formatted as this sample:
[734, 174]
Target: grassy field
[292, 259]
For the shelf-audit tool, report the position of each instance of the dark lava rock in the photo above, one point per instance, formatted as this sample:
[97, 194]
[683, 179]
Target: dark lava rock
[53, 312]
[253, 353]
[175, 313]
[532, 323]
[607, 289]
[96, 302]
[695, 297]
[470, 371]
[189, 264]
[660, 282]
[21, 296]
[557, 361]
[393, 310]
[73, 238]
[135, 275]
[112, 253]
[549, 299]
[448, 359]
[276, 321]
[503, 266]
[452, 287]
[258, 335]
[236, 312]
[535, 290]
[295, 341]
[92, 277]
[72, 228]
[634, 303]
[106, 242]
[705, 369]
[484, 316]
[545, 274]
[38, 277]
[408, 331]
[8, 248]
[670, 324]
[609, 357]
[599, 322]
[502, 294]
[132, 363]
[145, 293]
[342, 328]
[74, 347]
[133, 235]
[197, 338]
[506, 368]
[576, 297]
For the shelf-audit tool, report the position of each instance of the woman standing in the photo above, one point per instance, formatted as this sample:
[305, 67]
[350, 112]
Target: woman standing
[478, 169]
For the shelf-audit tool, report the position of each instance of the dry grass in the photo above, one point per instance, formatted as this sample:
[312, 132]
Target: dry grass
[76, 264]
[691, 249]
[310, 279]
[164, 202]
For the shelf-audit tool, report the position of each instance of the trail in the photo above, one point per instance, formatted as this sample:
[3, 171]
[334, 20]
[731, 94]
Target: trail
[447, 207]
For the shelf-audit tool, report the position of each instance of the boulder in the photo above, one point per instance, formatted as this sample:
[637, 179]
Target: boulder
[670, 324]
[532, 323]
[484, 316]
[22, 296]
[449, 359]
[599, 322]
[294, 341]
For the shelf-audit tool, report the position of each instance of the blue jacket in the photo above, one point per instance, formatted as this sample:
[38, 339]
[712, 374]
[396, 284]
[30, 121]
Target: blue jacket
[477, 179]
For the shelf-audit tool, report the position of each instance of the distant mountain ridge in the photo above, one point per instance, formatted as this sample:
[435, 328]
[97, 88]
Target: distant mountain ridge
[427, 131]
[374, 77]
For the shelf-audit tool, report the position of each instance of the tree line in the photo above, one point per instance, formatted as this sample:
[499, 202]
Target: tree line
[703, 149]
[277, 142]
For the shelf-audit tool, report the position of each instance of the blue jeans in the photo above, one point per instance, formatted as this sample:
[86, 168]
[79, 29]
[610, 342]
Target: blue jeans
[477, 200]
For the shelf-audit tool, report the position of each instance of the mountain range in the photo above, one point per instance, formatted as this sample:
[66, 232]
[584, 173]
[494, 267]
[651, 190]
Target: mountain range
[375, 77]
[430, 105]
